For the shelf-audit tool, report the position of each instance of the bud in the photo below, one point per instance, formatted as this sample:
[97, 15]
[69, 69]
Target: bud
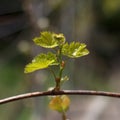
[63, 64]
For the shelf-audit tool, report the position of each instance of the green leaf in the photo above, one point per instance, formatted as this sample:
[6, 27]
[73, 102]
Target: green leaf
[60, 103]
[65, 102]
[74, 50]
[49, 40]
[41, 61]
[59, 38]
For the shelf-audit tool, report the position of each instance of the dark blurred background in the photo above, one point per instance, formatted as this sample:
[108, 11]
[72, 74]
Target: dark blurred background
[94, 22]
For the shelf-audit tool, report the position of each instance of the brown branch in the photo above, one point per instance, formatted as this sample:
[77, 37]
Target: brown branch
[64, 92]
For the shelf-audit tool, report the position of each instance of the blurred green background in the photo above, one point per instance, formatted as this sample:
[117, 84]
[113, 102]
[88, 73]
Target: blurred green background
[94, 22]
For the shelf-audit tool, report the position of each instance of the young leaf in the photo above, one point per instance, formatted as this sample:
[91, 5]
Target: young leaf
[59, 38]
[64, 79]
[65, 102]
[49, 40]
[74, 50]
[41, 61]
[55, 104]
[60, 103]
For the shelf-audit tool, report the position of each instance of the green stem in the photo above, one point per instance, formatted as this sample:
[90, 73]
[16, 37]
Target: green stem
[60, 60]
[64, 117]
[58, 80]
[57, 88]
[60, 72]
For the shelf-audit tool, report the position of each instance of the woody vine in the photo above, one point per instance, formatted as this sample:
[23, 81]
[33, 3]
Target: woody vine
[60, 47]
[55, 57]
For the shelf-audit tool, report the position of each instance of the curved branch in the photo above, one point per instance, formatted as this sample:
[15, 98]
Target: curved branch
[63, 92]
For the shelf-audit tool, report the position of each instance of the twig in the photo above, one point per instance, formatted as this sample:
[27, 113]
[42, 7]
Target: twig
[64, 92]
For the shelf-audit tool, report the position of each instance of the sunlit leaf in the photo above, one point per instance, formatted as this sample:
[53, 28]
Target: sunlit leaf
[60, 103]
[41, 61]
[59, 38]
[74, 49]
[49, 39]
